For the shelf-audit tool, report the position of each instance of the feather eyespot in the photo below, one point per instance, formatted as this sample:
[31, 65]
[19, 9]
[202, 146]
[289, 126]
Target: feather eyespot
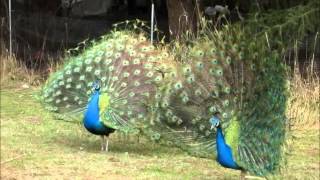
[126, 74]
[136, 61]
[120, 47]
[213, 51]
[214, 61]
[226, 103]
[178, 85]
[158, 78]
[109, 54]
[198, 92]
[199, 65]
[225, 115]
[111, 68]
[227, 90]
[187, 70]
[212, 109]
[200, 53]
[169, 113]
[123, 84]
[201, 127]
[228, 60]
[142, 38]
[132, 53]
[109, 46]
[115, 78]
[97, 59]
[165, 104]
[185, 99]
[117, 55]
[89, 69]
[137, 72]
[219, 72]
[149, 74]
[136, 83]
[97, 72]
[125, 62]
[77, 69]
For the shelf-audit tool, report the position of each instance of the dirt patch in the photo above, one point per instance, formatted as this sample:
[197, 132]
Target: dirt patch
[33, 120]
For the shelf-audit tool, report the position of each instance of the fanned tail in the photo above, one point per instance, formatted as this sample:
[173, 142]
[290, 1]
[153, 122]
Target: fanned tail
[127, 67]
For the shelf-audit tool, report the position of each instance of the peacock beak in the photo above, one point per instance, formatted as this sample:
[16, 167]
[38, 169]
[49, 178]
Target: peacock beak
[212, 126]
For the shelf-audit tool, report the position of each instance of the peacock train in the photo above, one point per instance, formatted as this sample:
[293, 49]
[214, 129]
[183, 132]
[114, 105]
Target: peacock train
[222, 96]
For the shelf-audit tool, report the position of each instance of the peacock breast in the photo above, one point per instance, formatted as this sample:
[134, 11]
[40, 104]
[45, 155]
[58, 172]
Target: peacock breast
[224, 152]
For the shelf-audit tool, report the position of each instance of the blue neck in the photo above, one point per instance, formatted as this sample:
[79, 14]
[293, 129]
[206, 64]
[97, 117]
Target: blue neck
[224, 152]
[91, 116]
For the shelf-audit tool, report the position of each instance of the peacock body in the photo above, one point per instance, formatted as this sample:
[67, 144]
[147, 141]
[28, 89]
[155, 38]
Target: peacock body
[223, 73]
[108, 85]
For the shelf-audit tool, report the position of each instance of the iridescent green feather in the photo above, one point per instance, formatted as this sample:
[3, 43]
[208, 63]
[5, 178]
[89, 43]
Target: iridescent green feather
[222, 73]
[128, 69]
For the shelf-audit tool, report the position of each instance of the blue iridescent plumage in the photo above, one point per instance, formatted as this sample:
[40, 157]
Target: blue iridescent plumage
[224, 152]
[91, 119]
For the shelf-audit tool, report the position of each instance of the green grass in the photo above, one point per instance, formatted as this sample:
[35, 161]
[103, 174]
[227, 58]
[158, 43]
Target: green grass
[36, 146]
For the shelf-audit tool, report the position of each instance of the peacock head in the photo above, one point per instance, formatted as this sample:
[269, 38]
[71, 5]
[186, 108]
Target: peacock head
[215, 121]
[96, 85]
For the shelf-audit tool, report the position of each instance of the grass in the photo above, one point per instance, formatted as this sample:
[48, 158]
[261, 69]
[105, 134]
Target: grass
[35, 146]
[304, 102]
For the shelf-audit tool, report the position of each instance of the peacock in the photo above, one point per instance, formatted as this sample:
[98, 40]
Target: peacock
[230, 78]
[108, 85]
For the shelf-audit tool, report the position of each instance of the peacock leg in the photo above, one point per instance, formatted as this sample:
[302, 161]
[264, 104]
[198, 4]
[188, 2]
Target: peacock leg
[107, 143]
[102, 143]
[242, 175]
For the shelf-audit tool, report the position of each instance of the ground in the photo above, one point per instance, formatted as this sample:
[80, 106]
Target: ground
[36, 146]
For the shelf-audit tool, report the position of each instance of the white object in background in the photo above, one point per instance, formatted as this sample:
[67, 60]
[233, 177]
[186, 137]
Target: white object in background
[152, 21]
[10, 30]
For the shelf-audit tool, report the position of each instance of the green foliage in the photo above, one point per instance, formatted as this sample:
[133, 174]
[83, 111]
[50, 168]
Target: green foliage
[284, 26]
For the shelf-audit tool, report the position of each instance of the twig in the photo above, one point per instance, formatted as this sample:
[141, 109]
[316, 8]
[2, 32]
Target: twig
[12, 159]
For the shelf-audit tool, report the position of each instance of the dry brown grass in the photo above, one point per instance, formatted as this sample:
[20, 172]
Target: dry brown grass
[13, 70]
[304, 102]
[303, 107]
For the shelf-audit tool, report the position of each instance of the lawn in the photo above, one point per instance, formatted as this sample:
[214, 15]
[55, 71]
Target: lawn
[36, 146]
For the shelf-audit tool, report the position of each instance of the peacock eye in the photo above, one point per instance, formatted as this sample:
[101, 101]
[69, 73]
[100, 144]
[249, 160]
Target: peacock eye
[227, 90]
[228, 60]
[213, 51]
[219, 72]
[155, 136]
[217, 123]
[214, 61]
[200, 53]
[200, 65]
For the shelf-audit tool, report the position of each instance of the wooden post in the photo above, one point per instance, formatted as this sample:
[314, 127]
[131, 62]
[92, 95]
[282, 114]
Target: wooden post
[10, 29]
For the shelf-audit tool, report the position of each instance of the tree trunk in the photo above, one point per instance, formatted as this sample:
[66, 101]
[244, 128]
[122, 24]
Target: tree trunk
[182, 17]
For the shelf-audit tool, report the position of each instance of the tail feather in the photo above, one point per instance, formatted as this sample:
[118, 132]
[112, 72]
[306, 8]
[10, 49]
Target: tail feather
[220, 74]
[127, 67]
